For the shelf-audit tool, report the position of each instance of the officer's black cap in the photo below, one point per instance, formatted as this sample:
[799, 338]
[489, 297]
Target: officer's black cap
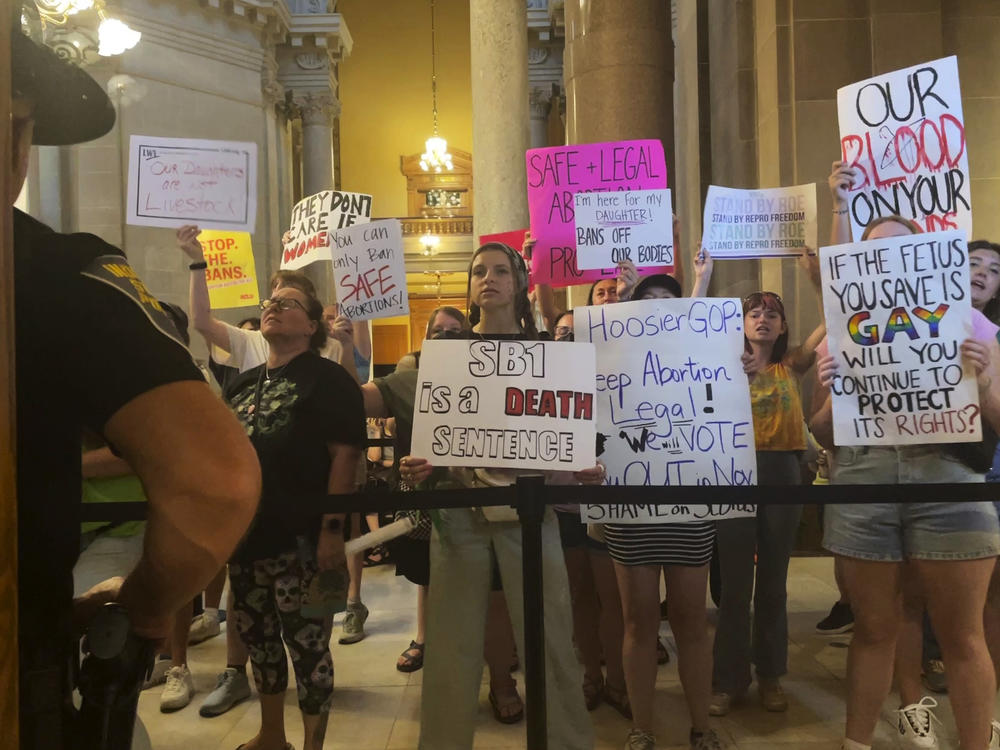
[70, 106]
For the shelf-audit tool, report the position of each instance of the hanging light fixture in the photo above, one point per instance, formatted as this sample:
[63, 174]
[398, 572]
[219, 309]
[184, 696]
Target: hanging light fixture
[436, 157]
[114, 36]
[429, 242]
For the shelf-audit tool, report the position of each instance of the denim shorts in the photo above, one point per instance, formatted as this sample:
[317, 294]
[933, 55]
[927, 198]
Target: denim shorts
[893, 532]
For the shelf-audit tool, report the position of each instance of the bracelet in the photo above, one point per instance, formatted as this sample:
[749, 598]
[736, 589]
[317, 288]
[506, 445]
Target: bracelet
[200, 265]
[840, 212]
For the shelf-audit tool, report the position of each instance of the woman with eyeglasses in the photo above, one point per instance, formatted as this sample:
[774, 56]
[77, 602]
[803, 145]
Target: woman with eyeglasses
[774, 371]
[305, 417]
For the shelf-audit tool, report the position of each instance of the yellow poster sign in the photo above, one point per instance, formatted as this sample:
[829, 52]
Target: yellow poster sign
[231, 275]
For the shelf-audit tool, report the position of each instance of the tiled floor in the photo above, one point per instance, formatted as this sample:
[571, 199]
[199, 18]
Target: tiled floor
[377, 708]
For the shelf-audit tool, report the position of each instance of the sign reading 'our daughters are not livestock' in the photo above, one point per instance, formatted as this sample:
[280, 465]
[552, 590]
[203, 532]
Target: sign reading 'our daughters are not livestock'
[773, 222]
[369, 271]
[673, 402]
[557, 174]
[897, 312]
[313, 218]
[905, 132]
[624, 225]
[506, 404]
[177, 181]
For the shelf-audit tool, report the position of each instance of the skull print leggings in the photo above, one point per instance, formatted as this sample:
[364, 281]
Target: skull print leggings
[267, 598]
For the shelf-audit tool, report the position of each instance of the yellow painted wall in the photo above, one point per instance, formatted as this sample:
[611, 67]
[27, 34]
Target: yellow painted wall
[385, 91]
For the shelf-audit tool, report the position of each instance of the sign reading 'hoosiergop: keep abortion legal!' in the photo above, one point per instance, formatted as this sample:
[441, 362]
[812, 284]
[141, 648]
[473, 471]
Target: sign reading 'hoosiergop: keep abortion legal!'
[557, 174]
[673, 402]
[905, 132]
[897, 312]
[506, 404]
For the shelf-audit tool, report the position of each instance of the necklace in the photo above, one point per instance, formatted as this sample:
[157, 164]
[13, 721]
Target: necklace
[268, 375]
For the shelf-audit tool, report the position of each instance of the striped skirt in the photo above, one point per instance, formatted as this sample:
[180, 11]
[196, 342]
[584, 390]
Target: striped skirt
[661, 544]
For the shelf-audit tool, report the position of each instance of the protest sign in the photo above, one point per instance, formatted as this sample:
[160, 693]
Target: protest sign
[673, 403]
[231, 274]
[177, 181]
[369, 271]
[635, 225]
[897, 312]
[514, 239]
[313, 218]
[556, 174]
[506, 404]
[769, 223]
[905, 132]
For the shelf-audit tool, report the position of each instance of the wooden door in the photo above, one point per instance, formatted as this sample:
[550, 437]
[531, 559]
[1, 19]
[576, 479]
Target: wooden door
[8, 499]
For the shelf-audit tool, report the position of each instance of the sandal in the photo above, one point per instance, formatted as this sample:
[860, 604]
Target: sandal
[593, 691]
[377, 555]
[662, 655]
[498, 708]
[617, 698]
[409, 661]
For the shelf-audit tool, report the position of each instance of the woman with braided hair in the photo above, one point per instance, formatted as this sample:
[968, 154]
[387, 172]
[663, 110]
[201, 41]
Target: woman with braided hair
[467, 543]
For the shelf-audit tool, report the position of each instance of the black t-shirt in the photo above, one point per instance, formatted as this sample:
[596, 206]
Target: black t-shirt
[291, 418]
[89, 338]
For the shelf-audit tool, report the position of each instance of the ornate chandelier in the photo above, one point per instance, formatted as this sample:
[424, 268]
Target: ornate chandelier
[436, 157]
[114, 36]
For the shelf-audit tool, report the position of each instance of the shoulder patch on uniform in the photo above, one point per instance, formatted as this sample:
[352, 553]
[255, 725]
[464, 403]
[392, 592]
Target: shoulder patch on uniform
[115, 272]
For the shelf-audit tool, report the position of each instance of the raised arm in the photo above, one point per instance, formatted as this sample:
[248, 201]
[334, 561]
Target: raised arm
[703, 265]
[841, 178]
[802, 357]
[214, 331]
[543, 292]
[202, 481]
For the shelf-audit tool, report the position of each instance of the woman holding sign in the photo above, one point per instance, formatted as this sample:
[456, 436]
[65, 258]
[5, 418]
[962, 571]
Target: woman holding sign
[949, 549]
[779, 431]
[465, 542]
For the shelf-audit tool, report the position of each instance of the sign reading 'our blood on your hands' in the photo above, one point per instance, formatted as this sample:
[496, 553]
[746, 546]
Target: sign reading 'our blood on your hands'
[905, 132]
[556, 175]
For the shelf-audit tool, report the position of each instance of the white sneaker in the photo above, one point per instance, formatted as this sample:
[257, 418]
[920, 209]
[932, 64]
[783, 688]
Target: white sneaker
[995, 735]
[203, 627]
[232, 687]
[916, 725]
[178, 690]
[159, 673]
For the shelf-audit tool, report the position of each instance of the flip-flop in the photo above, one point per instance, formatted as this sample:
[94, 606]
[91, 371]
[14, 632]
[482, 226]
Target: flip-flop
[412, 663]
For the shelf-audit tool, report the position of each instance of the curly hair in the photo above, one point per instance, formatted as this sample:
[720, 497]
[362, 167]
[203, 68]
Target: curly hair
[523, 315]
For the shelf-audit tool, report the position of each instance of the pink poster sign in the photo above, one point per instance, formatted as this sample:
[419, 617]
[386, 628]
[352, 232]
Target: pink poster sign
[556, 174]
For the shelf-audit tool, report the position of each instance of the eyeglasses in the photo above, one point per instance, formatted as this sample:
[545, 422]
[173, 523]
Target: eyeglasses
[564, 330]
[282, 303]
[762, 294]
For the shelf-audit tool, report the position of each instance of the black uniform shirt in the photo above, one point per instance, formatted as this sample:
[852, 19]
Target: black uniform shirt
[89, 339]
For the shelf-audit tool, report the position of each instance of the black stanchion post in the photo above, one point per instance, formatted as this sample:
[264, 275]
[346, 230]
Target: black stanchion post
[531, 511]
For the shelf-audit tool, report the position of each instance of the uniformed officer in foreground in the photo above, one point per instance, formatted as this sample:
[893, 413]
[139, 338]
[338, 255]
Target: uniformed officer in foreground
[120, 372]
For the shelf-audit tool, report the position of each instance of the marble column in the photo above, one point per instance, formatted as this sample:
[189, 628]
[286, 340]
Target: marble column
[618, 68]
[317, 110]
[540, 103]
[499, 35]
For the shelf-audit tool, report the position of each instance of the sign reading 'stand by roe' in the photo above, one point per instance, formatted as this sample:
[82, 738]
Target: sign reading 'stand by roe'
[897, 312]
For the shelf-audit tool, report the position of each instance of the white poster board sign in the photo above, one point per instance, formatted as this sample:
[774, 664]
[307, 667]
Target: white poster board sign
[897, 312]
[313, 218]
[369, 271]
[768, 223]
[506, 404]
[177, 181]
[905, 132]
[673, 402]
[620, 225]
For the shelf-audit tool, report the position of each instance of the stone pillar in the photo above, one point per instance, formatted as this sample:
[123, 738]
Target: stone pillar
[499, 35]
[540, 102]
[619, 71]
[317, 110]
